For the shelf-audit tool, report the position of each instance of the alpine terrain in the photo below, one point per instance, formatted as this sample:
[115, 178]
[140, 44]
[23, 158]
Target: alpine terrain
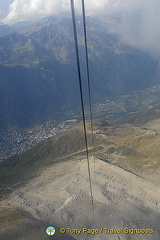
[44, 172]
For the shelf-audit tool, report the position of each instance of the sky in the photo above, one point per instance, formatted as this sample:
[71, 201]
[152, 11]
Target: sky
[138, 22]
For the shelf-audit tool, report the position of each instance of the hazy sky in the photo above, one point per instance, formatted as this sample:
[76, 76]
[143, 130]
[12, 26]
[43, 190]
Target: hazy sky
[138, 19]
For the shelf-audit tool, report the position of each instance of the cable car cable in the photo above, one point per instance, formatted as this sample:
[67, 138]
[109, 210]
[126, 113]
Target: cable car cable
[81, 95]
[87, 64]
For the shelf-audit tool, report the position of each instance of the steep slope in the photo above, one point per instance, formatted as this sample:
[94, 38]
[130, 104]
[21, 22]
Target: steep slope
[17, 49]
[29, 96]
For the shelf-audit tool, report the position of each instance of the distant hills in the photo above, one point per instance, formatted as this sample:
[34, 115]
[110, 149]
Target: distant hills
[38, 75]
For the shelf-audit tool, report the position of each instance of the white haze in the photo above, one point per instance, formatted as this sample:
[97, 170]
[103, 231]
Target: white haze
[138, 20]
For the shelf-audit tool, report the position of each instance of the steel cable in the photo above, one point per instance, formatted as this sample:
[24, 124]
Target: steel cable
[81, 96]
[87, 65]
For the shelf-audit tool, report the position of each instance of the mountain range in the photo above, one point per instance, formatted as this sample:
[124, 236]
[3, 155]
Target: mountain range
[38, 79]
[48, 184]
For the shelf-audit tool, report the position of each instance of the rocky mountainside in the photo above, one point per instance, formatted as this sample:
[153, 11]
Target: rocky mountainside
[38, 71]
[48, 184]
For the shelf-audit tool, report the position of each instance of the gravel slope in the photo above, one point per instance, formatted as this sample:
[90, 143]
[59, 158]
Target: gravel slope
[60, 197]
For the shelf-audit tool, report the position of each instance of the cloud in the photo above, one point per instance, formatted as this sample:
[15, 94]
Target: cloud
[27, 9]
[21, 10]
[139, 24]
[137, 21]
